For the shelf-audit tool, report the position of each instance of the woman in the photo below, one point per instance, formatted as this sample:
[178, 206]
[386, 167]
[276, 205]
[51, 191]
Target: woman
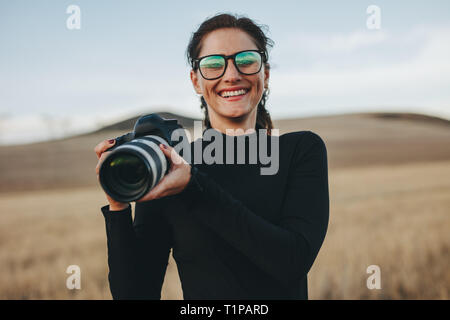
[235, 234]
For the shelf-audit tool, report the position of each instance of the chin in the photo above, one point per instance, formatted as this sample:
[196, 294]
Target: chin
[236, 112]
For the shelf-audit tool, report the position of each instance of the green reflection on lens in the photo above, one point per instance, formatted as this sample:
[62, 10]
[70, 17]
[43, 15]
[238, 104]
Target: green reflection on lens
[128, 169]
[213, 62]
[248, 61]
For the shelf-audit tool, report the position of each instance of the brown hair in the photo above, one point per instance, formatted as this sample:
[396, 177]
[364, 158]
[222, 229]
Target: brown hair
[255, 31]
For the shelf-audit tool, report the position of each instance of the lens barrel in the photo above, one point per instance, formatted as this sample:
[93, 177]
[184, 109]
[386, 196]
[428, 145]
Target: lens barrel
[131, 170]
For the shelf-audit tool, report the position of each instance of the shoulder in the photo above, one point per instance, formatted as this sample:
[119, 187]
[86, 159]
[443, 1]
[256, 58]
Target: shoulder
[302, 139]
[303, 146]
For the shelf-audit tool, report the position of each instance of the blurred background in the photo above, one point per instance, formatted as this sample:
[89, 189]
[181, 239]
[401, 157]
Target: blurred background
[372, 78]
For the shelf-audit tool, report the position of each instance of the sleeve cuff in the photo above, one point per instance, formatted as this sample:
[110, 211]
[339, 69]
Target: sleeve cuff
[124, 214]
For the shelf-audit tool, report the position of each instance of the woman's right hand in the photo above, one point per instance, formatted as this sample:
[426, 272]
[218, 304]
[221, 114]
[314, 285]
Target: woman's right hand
[101, 155]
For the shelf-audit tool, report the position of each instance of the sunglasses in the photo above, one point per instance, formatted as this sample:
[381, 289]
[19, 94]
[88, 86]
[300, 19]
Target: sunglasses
[213, 66]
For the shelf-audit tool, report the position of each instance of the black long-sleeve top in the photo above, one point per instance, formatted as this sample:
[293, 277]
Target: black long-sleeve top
[235, 233]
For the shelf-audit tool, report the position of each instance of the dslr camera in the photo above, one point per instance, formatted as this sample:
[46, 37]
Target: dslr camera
[136, 163]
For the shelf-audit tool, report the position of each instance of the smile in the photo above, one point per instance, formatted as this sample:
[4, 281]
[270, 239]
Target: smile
[233, 95]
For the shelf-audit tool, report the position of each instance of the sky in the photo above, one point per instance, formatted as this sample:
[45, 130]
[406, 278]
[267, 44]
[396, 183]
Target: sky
[128, 58]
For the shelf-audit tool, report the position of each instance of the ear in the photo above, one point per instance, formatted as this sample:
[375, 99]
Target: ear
[195, 82]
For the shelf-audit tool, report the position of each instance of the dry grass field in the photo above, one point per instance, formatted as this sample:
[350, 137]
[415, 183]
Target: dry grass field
[389, 184]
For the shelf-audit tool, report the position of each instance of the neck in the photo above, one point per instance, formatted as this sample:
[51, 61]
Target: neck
[245, 124]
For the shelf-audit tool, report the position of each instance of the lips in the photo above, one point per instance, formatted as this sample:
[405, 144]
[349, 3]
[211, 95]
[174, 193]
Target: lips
[234, 98]
[220, 92]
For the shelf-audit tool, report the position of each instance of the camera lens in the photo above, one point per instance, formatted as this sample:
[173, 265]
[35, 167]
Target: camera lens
[125, 176]
[128, 169]
[131, 170]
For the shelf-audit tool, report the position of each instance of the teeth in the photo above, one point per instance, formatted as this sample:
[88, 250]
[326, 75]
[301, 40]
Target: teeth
[226, 94]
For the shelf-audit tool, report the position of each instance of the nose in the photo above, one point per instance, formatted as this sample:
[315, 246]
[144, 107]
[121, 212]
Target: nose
[231, 74]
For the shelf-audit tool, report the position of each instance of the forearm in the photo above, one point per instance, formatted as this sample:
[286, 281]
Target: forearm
[122, 245]
[138, 251]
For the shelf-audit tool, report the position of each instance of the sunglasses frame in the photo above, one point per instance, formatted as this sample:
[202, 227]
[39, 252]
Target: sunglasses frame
[196, 62]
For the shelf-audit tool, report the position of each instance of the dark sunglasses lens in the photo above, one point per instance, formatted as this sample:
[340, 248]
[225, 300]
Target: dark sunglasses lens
[212, 67]
[248, 62]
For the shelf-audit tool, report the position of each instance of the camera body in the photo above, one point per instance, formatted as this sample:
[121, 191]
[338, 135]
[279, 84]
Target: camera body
[136, 163]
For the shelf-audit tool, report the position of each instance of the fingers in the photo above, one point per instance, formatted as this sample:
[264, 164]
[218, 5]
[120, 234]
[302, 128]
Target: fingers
[160, 190]
[153, 194]
[101, 154]
[175, 181]
[100, 160]
[102, 146]
[170, 152]
[149, 196]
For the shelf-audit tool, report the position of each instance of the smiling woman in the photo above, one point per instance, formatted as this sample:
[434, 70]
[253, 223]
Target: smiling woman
[246, 44]
[236, 233]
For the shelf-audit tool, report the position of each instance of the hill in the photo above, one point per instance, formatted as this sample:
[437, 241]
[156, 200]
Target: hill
[352, 140]
[128, 124]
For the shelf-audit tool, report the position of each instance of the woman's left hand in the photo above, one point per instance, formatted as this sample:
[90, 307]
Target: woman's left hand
[175, 180]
